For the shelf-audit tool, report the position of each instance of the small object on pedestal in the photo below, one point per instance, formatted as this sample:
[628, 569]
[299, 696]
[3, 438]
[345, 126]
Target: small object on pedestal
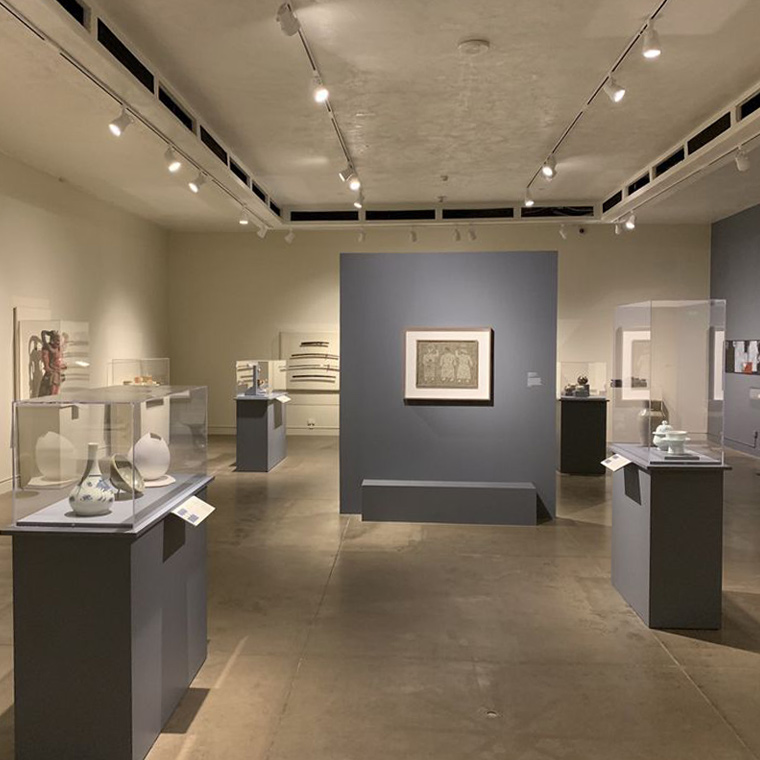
[93, 495]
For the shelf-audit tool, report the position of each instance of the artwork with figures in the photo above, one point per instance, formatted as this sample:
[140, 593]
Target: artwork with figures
[743, 357]
[448, 364]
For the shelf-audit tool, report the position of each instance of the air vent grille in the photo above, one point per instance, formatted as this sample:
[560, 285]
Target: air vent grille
[667, 164]
[76, 10]
[175, 108]
[478, 213]
[544, 212]
[324, 216]
[125, 56]
[637, 184]
[213, 145]
[748, 107]
[239, 173]
[258, 191]
[277, 210]
[708, 134]
[400, 215]
[612, 201]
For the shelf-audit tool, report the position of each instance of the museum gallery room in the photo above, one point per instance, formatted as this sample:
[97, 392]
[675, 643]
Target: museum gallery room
[381, 380]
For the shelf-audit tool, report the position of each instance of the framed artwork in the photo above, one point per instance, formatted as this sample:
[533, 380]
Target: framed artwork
[636, 362]
[448, 364]
[743, 357]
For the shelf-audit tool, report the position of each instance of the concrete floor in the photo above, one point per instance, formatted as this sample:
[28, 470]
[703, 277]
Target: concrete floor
[330, 639]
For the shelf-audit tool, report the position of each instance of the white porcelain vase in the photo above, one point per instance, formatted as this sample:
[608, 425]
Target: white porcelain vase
[151, 456]
[93, 494]
[56, 458]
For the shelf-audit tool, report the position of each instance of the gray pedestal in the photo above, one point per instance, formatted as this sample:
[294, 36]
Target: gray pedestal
[667, 543]
[261, 433]
[582, 432]
[109, 632]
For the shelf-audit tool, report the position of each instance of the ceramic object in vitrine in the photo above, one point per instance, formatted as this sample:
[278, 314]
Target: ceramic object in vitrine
[152, 458]
[93, 494]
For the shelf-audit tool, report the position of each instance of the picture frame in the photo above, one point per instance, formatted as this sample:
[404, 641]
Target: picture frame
[636, 360]
[742, 357]
[448, 364]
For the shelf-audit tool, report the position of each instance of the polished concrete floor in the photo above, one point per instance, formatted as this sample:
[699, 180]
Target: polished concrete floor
[333, 639]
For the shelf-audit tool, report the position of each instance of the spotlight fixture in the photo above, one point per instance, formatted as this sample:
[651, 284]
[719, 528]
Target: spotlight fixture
[549, 169]
[563, 231]
[321, 93]
[471, 234]
[741, 157]
[652, 48]
[354, 182]
[362, 236]
[359, 202]
[457, 235]
[196, 184]
[120, 123]
[630, 222]
[344, 174]
[413, 235]
[618, 228]
[173, 164]
[243, 217]
[262, 233]
[290, 237]
[614, 91]
[287, 20]
[528, 202]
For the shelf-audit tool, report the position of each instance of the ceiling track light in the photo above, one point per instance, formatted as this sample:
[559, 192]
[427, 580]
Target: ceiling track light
[196, 184]
[613, 90]
[243, 217]
[354, 182]
[741, 157]
[120, 123]
[359, 202]
[413, 237]
[563, 231]
[262, 232]
[457, 235]
[549, 169]
[528, 202]
[290, 237]
[173, 163]
[618, 228]
[321, 93]
[651, 48]
[471, 234]
[362, 236]
[289, 23]
[344, 174]
[630, 222]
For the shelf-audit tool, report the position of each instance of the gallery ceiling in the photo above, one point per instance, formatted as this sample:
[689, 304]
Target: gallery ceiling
[421, 120]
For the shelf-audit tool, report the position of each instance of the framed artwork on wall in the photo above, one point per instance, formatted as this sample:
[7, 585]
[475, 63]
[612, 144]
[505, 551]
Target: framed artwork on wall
[448, 364]
[636, 365]
[743, 357]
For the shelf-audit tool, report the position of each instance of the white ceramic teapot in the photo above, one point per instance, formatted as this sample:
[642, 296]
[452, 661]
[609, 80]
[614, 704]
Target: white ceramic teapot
[660, 434]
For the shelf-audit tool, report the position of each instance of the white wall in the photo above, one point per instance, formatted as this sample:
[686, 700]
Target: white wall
[232, 293]
[82, 259]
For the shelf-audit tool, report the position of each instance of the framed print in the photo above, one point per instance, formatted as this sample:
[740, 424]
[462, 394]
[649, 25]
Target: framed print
[637, 348]
[448, 364]
[743, 357]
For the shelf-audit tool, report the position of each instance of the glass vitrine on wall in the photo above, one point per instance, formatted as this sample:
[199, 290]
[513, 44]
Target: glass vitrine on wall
[259, 377]
[667, 405]
[107, 458]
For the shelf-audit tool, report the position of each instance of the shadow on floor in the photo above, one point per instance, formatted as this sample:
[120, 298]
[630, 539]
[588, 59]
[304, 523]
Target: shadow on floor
[184, 715]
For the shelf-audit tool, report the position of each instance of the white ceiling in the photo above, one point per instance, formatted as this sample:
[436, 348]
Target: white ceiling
[412, 108]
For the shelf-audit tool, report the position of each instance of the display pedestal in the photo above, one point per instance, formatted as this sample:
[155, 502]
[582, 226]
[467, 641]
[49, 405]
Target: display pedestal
[261, 433]
[667, 542]
[582, 435]
[109, 632]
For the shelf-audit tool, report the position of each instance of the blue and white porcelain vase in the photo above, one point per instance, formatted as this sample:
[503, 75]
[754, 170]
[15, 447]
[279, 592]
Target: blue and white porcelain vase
[93, 494]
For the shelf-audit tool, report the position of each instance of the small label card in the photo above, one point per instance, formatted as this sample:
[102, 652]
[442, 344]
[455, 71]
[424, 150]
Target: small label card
[615, 462]
[534, 380]
[284, 399]
[194, 510]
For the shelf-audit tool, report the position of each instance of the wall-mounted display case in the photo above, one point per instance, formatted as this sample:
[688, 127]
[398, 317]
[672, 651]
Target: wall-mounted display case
[571, 374]
[107, 458]
[147, 372]
[259, 377]
[666, 406]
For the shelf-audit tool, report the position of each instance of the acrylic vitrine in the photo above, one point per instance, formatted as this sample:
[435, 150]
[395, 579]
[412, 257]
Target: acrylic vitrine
[138, 372]
[570, 375]
[667, 401]
[107, 458]
[259, 377]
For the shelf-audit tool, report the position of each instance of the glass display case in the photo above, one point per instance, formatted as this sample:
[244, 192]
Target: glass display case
[666, 408]
[581, 379]
[138, 372]
[107, 458]
[259, 377]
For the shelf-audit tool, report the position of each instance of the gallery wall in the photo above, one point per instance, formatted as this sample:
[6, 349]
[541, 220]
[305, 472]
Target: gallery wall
[232, 293]
[735, 266]
[66, 252]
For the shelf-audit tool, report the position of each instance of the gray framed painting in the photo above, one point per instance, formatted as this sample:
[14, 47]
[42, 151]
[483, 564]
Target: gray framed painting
[448, 364]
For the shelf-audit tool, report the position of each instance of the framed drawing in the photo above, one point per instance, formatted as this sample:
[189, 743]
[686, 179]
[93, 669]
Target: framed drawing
[448, 364]
[636, 365]
[743, 357]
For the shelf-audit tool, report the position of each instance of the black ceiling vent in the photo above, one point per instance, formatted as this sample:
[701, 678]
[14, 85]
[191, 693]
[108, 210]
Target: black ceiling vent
[545, 212]
[76, 10]
[749, 107]
[124, 56]
[400, 215]
[277, 210]
[175, 108]
[708, 134]
[258, 191]
[668, 163]
[637, 184]
[478, 213]
[239, 173]
[612, 201]
[324, 216]
[213, 145]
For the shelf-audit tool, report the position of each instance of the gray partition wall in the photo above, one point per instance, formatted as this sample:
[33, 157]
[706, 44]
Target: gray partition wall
[509, 440]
